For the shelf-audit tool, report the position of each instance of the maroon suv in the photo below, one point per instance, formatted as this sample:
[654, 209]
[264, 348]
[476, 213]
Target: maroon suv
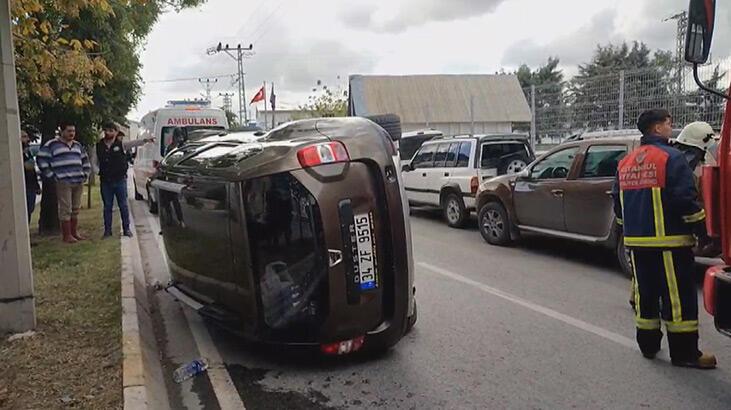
[565, 193]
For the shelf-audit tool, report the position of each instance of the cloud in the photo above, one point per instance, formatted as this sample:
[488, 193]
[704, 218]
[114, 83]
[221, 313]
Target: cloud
[571, 49]
[293, 65]
[392, 17]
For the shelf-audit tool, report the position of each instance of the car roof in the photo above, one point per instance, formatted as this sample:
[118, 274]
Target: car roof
[420, 133]
[483, 138]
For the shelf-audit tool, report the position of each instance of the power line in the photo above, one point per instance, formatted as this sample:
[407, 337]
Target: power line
[264, 25]
[241, 53]
[172, 80]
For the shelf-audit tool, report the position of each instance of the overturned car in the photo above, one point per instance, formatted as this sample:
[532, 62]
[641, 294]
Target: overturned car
[299, 236]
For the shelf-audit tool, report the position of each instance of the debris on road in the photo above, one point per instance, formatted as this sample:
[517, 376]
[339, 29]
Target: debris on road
[19, 336]
[189, 370]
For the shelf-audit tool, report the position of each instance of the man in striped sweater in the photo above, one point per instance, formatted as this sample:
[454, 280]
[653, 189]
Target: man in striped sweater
[65, 161]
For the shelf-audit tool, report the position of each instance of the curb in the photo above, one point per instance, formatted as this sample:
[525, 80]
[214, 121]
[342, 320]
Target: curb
[133, 373]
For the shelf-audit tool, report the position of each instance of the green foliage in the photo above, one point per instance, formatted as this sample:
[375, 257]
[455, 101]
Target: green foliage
[327, 103]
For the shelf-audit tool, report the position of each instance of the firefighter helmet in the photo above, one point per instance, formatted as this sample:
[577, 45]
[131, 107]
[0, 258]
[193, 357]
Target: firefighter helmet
[696, 134]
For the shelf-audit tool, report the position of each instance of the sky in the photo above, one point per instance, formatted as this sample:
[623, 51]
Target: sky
[298, 43]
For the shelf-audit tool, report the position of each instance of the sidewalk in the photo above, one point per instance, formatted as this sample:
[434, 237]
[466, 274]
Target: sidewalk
[75, 357]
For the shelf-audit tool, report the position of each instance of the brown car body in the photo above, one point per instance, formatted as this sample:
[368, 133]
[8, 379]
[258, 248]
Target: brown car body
[577, 207]
[266, 246]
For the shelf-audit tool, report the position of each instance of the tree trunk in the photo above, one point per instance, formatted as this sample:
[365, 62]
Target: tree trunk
[48, 223]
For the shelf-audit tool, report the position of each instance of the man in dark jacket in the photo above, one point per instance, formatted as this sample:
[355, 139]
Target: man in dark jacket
[656, 202]
[111, 154]
[32, 187]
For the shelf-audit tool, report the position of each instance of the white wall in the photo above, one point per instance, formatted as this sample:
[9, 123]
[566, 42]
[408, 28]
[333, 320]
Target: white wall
[457, 128]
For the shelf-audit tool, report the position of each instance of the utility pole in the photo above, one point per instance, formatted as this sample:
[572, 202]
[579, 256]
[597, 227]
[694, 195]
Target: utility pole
[207, 85]
[17, 304]
[682, 29]
[227, 106]
[238, 53]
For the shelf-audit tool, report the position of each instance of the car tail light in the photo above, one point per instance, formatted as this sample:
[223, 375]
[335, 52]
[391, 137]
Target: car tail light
[327, 153]
[474, 185]
[155, 164]
[344, 347]
[709, 289]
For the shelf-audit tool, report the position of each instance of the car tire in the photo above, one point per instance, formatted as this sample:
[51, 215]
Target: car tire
[151, 203]
[138, 195]
[389, 122]
[494, 224]
[623, 257]
[455, 213]
[512, 165]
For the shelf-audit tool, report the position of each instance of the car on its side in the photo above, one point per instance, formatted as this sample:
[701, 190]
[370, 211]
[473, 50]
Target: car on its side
[300, 236]
[565, 193]
[446, 172]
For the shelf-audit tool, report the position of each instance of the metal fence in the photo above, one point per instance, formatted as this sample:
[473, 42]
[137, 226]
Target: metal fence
[615, 100]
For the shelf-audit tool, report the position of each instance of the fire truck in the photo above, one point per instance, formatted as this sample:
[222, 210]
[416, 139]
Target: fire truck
[716, 179]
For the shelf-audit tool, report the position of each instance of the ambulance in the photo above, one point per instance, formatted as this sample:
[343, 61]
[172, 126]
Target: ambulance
[160, 124]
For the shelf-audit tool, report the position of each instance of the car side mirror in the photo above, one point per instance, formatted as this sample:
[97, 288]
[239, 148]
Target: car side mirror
[701, 21]
[407, 168]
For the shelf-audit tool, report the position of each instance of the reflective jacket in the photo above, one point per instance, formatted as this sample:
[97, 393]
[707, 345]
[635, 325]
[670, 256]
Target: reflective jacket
[655, 197]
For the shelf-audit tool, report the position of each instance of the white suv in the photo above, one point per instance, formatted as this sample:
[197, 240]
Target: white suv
[446, 172]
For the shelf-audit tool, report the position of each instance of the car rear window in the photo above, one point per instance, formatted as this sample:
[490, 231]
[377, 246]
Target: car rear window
[494, 153]
[601, 161]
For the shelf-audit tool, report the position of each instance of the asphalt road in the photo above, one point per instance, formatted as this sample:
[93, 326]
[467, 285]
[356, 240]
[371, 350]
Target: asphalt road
[542, 325]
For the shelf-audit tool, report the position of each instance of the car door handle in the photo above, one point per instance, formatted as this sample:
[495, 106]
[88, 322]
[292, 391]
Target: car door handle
[424, 174]
[446, 174]
[608, 193]
[557, 192]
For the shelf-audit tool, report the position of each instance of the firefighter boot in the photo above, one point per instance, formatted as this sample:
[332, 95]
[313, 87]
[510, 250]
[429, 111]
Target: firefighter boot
[684, 352]
[66, 231]
[649, 342]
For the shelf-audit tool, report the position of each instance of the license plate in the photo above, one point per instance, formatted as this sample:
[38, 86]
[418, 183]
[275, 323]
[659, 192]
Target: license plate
[365, 259]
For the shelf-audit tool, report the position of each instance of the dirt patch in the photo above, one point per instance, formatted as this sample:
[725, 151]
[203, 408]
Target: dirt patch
[75, 358]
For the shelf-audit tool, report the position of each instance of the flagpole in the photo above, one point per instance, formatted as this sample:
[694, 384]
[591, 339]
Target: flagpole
[274, 105]
[265, 104]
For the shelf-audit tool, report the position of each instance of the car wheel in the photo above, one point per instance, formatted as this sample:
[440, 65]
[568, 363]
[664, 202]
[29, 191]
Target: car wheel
[151, 203]
[623, 257]
[138, 195]
[454, 210]
[494, 224]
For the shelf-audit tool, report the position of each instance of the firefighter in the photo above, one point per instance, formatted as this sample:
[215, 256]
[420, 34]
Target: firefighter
[694, 142]
[656, 202]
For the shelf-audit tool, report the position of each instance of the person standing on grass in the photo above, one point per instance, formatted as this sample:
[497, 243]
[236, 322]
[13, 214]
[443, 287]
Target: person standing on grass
[64, 160]
[32, 187]
[111, 154]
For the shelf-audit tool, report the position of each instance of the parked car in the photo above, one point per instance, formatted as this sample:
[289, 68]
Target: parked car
[410, 142]
[300, 236]
[565, 193]
[446, 172]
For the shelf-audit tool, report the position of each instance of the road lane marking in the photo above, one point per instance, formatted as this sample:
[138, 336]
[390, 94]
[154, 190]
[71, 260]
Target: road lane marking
[571, 321]
[223, 386]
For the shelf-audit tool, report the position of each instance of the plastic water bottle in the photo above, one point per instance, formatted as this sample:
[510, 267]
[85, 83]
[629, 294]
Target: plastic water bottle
[189, 370]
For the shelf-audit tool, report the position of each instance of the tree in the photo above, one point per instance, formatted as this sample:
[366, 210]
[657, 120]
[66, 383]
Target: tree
[233, 119]
[549, 97]
[594, 92]
[78, 60]
[327, 103]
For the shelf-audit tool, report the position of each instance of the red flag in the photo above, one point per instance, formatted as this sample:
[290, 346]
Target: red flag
[260, 96]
